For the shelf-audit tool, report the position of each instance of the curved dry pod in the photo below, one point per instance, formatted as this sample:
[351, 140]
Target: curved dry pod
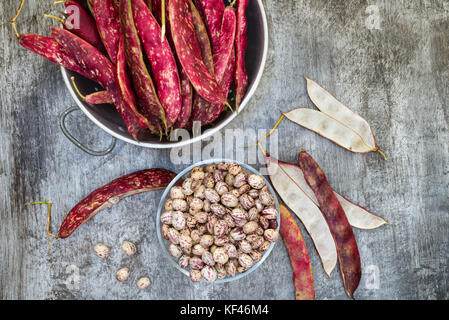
[358, 217]
[333, 108]
[306, 210]
[331, 129]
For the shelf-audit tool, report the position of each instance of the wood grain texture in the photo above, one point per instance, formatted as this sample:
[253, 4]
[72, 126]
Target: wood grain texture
[396, 77]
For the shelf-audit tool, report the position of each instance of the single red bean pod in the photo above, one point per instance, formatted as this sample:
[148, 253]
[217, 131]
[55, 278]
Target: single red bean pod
[212, 13]
[112, 193]
[189, 52]
[107, 18]
[225, 46]
[187, 100]
[186, 87]
[207, 112]
[203, 38]
[241, 43]
[126, 90]
[143, 83]
[100, 97]
[299, 256]
[101, 70]
[162, 61]
[50, 49]
[87, 27]
[347, 250]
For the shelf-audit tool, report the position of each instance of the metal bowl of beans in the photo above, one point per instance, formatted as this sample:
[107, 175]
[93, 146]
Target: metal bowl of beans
[108, 119]
[203, 241]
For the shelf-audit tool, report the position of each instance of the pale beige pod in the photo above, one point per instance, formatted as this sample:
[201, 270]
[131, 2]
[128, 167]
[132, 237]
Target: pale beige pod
[333, 108]
[358, 217]
[306, 210]
[329, 128]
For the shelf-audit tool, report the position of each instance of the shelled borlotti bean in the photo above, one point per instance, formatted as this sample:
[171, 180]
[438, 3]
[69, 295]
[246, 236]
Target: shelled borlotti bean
[220, 221]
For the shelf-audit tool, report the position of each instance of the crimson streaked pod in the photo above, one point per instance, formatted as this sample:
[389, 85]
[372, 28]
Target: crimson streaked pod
[107, 19]
[112, 193]
[189, 52]
[347, 249]
[50, 49]
[299, 256]
[99, 69]
[143, 83]
[100, 97]
[241, 43]
[212, 13]
[162, 61]
[186, 87]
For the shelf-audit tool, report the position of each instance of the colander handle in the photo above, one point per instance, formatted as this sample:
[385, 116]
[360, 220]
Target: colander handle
[69, 136]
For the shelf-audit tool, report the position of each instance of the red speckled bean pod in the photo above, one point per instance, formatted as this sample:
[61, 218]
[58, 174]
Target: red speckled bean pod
[50, 49]
[347, 250]
[241, 43]
[299, 256]
[126, 90]
[87, 28]
[187, 100]
[203, 39]
[223, 51]
[101, 70]
[189, 52]
[162, 61]
[100, 97]
[107, 19]
[212, 13]
[112, 193]
[143, 83]
[186, 87]
[224, 62]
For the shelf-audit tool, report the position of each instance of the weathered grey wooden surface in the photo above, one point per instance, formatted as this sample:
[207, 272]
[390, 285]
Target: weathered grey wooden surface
[395, 74]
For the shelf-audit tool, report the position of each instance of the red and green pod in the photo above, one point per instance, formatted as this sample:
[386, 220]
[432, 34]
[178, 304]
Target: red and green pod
[112, 193]
[143, 83]
[299, 256]
[212, 13]
[107, 18]
[347, 249]
[189, 52]
[99, 69]
[203, 38]
[241, 43]
[162, 61]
